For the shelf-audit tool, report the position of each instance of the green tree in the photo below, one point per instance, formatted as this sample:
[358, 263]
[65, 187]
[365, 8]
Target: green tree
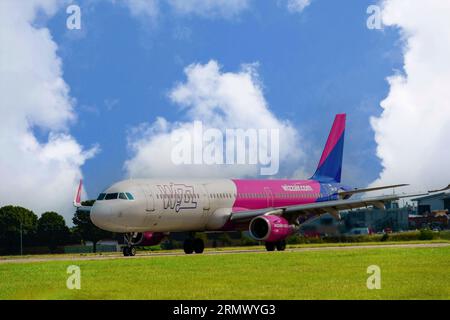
[75, 237]
[52, 230]
[88, 203]
[13, 219]
[87, 230]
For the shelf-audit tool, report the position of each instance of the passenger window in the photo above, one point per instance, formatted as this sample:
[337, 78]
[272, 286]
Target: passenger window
[111, 196]
[122, 196]
[101, 196]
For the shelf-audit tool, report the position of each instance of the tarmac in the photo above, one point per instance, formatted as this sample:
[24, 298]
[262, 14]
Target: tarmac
[146, 255]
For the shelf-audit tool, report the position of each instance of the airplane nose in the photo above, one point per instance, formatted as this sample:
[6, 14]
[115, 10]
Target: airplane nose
[101, 215]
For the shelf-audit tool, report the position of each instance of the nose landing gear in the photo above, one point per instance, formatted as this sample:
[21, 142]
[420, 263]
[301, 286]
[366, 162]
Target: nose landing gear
[129, 250]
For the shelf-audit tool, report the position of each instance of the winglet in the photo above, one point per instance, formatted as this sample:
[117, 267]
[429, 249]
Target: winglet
[77, 200]
[443, 189]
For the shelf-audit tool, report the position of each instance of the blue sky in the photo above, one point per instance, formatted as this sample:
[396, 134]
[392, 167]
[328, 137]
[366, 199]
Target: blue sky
[313, 64]
[103, 102]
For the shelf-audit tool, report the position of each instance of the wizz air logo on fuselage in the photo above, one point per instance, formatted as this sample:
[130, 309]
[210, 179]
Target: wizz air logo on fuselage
[178, 196]
[296, 187]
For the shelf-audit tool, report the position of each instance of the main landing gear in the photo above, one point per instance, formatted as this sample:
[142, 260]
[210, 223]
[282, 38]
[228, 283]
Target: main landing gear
[279, 245]
[192, 245]
[129, 250]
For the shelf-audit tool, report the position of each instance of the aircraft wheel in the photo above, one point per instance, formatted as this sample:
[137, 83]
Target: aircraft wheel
[270, 246]
[199, 245]
[126, 251]
[132, 251]
[188, 246]
[281, 245]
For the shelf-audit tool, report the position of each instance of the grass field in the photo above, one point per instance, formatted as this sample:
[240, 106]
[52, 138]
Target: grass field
[406, 273]
[237, 248]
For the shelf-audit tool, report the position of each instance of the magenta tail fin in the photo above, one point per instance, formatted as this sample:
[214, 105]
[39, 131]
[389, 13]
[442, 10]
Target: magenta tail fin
[330, 164]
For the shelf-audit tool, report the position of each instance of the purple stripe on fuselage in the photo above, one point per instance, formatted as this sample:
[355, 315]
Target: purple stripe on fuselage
[335, 134]
[259, 194]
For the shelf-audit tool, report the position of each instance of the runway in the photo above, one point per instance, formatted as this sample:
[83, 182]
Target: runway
[210, 252]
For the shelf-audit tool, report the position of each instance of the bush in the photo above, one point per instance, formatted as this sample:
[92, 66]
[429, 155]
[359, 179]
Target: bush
[385, 237]
[167, 245]
[353, 238]
[404, 236]
[297, 239]
[426, 234]
[225, 239]
[444, 235]
[246, 241]
[149, 248]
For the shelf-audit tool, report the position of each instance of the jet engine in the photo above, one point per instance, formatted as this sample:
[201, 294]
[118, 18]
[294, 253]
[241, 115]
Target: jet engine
[147, 238]
[270, 228]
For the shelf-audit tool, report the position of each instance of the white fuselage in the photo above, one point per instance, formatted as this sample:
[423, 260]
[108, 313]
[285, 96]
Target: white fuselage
[166, 205]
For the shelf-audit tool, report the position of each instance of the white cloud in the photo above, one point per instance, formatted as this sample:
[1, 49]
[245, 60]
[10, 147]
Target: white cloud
[297, 6]
[40, 175]
[220, 100]
[204, 8]
[210, 8]
[148, 8]
[413, 130]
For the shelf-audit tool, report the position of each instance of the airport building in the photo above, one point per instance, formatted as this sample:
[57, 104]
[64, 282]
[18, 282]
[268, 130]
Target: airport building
[360, 221]
[436, 202]
[377, 220]
[431, 211]
[324, 225]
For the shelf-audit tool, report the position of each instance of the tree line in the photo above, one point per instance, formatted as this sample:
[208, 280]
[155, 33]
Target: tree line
[49, 230]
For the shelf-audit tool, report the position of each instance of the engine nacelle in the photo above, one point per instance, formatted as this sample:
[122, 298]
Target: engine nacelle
[147, 238]
[270, 228]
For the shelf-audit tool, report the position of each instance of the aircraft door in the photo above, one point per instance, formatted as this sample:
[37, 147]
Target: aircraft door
[206, 201]
[150, 206]
[269, 196]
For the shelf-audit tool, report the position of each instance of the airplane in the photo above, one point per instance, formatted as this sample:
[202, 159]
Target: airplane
[147, 210]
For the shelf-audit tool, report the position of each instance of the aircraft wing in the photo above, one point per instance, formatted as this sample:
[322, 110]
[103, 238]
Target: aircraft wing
[344, 194]
[333, 207]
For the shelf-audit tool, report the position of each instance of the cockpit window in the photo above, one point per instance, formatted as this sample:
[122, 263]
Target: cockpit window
[122, 196]
[101, 196]
[115, 195]
[111, 196]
